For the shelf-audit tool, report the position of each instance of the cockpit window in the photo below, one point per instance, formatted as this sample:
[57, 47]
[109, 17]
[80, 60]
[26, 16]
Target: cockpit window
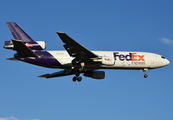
[162, 57]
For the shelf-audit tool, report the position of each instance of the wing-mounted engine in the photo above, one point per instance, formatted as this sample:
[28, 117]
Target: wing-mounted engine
[38, 45]
[105, 60]
[95, 74]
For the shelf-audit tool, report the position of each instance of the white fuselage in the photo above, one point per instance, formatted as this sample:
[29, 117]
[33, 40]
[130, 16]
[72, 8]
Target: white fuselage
[119, 59]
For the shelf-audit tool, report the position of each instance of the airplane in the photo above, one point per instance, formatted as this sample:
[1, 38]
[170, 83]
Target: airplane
[76, 59]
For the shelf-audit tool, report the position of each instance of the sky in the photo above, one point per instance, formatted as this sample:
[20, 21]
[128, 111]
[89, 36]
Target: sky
[105, 25]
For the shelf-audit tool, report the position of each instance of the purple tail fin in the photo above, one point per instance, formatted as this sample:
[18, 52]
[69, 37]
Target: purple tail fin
[18, 33]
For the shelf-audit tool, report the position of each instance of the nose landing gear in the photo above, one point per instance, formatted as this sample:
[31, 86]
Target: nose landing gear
[145, 71]
[145, 76]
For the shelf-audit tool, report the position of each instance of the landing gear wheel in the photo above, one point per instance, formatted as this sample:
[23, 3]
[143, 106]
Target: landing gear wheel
[145, 71]
[74, 79]
[145, 76]
[79, 79]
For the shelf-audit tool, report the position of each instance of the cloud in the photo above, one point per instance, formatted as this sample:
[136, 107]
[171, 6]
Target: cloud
[166, 41]
[9, 118]
[13, 118]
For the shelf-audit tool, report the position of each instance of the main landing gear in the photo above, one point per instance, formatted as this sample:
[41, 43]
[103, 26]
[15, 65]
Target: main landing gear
[145, 71]
[77, 77]
[78, 67]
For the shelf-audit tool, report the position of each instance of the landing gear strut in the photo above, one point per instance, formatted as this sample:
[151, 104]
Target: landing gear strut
[78, 66]
[145, 71]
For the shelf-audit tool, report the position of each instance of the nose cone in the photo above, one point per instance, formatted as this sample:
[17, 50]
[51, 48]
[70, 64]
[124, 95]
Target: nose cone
[166, 62]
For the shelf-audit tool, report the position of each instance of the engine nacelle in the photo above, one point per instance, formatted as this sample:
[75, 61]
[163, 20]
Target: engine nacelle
[42, 44]
[95, 74]
[39, 45]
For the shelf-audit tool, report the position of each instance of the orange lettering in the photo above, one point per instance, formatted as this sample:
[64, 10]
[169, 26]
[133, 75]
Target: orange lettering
[141, 58]
[29, 45]
[133, 57]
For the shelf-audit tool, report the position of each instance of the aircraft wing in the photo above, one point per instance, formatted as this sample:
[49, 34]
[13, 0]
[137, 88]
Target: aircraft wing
[58, 74]
[74, 49]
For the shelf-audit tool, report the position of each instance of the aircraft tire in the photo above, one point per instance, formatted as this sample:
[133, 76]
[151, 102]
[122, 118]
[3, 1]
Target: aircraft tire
[74, 79]
[79, 79]
[145, 76]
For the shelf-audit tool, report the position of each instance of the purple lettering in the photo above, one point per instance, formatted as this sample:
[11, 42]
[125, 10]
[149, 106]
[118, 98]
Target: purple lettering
[115, 55]
[129, 57]
[121, 57]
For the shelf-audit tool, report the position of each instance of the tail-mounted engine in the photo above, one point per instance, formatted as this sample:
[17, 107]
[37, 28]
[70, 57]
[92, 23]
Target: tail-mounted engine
[39, 45]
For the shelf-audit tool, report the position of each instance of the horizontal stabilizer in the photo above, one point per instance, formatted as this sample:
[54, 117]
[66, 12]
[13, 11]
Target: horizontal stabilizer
[23, 50]
[13, 59]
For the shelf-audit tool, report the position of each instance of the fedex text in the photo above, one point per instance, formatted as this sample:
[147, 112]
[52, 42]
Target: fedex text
[129, 57]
